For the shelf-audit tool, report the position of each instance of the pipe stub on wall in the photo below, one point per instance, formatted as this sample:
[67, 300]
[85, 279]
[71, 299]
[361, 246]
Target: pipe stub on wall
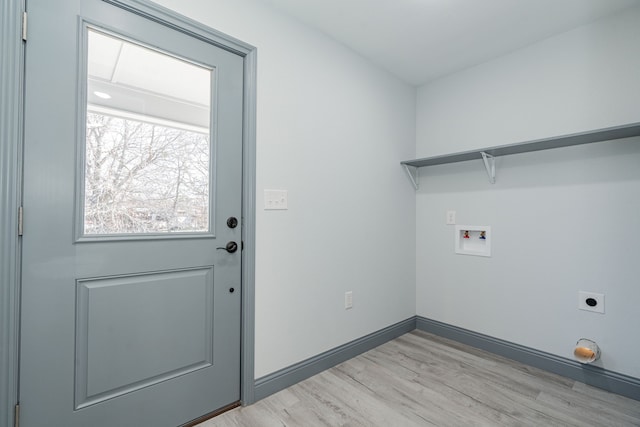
[586, 351]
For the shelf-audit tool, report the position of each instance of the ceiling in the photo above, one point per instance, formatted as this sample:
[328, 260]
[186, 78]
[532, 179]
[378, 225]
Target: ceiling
[421, 40]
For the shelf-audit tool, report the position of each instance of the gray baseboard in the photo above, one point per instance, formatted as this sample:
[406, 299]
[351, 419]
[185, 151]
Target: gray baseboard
[588, 374]
[595, 376]
[293, 374]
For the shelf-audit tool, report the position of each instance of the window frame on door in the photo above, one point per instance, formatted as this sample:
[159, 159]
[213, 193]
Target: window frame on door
[81, 235]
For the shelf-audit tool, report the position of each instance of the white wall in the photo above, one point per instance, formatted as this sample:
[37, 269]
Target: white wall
[563, 220]
[332, 130]
[583, 79]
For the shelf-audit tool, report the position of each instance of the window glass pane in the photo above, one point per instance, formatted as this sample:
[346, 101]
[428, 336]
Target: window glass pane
[147, 156]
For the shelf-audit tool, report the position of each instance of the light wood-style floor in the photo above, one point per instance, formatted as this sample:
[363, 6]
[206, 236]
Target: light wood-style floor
[420, 379]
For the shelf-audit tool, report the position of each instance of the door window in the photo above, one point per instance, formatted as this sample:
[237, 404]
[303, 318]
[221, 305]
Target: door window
[147, 153]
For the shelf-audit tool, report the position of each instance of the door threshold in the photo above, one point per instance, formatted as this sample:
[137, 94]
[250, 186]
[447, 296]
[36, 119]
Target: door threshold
[213, 414]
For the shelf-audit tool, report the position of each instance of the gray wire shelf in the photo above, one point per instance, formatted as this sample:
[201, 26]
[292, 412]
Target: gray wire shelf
[488, 154]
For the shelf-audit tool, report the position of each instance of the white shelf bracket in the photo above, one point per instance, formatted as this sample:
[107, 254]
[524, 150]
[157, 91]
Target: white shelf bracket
[490, 165]
[412, 172]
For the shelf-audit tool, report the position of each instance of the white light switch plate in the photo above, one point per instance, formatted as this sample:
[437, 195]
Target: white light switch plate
[275, 200]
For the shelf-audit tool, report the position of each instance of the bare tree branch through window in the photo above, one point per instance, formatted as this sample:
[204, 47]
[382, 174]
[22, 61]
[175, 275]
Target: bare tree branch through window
[144, 178]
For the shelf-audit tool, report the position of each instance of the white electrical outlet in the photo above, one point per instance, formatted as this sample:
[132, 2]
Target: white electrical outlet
[451, 217]
[348, 300]
[591, 301]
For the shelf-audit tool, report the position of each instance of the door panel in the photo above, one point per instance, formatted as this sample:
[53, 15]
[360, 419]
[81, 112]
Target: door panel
[172, 313]
[132, 325]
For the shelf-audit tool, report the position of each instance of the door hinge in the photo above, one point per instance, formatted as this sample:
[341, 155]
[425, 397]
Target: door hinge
[20, 222]
[16, 420]
[24, 26]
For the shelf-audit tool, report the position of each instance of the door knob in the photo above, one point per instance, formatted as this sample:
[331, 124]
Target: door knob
[232, 222]
[230, 247]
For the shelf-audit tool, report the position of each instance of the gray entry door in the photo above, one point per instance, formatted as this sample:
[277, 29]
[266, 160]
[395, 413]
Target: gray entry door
[132, 173]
